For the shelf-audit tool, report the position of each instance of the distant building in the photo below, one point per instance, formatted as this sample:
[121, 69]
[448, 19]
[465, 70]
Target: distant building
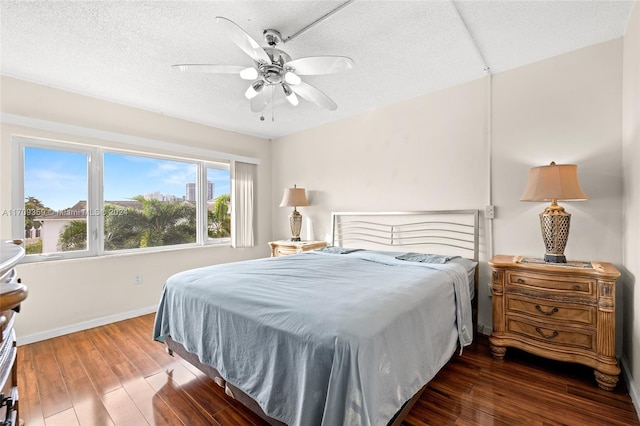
[191, 191]
[210, 187]
[154, 196]
[161, 197]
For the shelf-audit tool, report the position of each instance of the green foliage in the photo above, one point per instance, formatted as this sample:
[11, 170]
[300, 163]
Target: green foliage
[34, 248]
[219, 219]
[73, 236]
[33, 209]
[123, 227]
[156, 223]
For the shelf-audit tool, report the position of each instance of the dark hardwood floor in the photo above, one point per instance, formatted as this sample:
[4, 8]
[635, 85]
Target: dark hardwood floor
[116, 375]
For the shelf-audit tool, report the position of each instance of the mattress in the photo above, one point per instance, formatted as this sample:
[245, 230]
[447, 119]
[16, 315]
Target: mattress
[321, 338]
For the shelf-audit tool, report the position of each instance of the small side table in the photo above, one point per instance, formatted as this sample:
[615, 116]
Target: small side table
[561, 311]
[287, 247]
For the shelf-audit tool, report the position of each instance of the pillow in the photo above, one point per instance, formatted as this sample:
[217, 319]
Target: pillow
[425, 258]
[337, 250]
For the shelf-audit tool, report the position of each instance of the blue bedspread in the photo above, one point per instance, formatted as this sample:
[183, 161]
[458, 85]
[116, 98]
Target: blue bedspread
[319, 338]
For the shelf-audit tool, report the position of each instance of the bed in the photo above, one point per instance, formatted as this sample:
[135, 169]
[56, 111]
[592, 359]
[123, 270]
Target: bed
[347, 335]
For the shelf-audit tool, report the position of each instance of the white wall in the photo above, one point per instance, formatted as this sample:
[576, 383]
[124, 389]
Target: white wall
[428, 153]
[631, 195]
[66, 293]
[431, 153]
[566, 109]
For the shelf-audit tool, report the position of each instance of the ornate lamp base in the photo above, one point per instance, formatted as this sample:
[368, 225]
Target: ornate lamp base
[554, 223]
[295, 221]
[553, 258]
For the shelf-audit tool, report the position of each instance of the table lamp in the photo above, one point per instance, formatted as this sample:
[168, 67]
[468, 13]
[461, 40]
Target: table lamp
[552, 183]
[294, 197]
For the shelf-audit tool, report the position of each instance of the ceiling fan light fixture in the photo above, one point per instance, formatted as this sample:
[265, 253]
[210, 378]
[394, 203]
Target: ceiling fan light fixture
[288, 93]
[274, 67]
[249, 73]
[292, 78]
[253, 90]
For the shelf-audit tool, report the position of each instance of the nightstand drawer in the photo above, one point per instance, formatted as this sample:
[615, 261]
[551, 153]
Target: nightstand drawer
[552, 334]
[551, 283]
[285, 251]
[549, 310]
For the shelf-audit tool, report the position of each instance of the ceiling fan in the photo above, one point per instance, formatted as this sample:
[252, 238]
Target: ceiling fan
[273, 70]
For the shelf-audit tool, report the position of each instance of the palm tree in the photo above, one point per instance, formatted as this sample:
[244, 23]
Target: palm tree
[157, 223]
[123, 227]
[220, 219]
[34, 208]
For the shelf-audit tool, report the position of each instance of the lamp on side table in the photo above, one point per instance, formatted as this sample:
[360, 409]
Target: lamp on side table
[294, 197]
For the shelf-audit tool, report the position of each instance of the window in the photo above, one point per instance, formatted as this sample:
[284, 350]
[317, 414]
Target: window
[74, 200]
[218, 204]
[145, 204]
[56, 188]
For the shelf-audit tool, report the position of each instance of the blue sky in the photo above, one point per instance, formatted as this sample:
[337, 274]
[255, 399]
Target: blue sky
[59, 178]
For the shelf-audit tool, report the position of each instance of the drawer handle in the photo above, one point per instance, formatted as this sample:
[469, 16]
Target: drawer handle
[551, 312]
[547, 336]
[520, 281]
[577, 287]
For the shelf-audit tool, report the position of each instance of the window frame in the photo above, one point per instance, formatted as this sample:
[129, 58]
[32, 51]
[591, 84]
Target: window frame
[95, 195]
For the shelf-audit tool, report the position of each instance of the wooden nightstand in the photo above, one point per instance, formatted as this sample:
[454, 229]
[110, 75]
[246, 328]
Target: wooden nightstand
[564, 312]
[286, 247]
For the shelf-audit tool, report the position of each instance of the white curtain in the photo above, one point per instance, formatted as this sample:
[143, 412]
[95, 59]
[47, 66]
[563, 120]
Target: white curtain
[244, 177]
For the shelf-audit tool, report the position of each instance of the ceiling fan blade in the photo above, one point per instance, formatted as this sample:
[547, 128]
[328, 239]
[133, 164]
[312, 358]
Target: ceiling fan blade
[243, 40]
[210, 68]
[316, 65]
[314, 95]
[260, 102]
[292, 78]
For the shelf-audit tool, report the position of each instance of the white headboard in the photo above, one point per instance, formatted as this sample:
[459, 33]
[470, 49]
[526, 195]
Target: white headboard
[452, 232]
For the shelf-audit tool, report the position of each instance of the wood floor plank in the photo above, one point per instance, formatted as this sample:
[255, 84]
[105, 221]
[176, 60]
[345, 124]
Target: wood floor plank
[93, 362]
[63, 418]
[87, 404]
[54, 398]
[154, 410]
[30, 407]
[84, 397]
[157, 389]
[231, 417]
[140, 359]
[70, 365]
[122, 409]
[187, 411]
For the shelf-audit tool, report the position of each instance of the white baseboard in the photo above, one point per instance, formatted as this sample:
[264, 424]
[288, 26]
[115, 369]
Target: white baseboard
[484, 329]
[634, 392]
[61, 331]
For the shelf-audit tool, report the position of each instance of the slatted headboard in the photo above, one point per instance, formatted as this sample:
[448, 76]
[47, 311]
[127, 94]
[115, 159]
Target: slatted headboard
[453, 232]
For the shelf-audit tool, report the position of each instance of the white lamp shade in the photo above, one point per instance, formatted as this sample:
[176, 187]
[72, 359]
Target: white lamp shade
[294, 197]
[553, 182]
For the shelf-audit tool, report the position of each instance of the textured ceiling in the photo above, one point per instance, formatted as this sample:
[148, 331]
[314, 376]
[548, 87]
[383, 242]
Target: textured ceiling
[122, 51]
